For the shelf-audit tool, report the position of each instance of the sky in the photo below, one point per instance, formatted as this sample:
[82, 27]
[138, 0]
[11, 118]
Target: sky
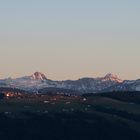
[70, 39]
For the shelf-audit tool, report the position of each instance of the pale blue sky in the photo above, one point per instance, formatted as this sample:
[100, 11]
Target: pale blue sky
[68, 39]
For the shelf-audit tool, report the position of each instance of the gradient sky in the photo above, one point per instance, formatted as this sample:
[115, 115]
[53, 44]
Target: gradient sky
[68, 39]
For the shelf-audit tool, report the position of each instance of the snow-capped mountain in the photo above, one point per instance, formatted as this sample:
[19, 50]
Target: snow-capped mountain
[38, 76]
[129, 85]
[39, 81]
[33, 82]
[91, 84]
[111, 77]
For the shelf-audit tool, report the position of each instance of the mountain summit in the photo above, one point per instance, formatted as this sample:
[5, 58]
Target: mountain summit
[113, 77]
[39, 76]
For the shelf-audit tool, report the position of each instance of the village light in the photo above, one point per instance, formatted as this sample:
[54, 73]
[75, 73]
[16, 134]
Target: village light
[7, 95]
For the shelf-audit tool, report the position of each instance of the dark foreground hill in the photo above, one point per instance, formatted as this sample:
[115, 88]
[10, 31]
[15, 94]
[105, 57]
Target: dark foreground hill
[63, 126]
[108, 116]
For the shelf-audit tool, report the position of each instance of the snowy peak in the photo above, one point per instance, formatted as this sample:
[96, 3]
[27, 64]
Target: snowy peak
[38, 76]
[112, 77]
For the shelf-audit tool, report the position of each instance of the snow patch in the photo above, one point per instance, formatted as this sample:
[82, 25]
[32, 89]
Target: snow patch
[138, 88]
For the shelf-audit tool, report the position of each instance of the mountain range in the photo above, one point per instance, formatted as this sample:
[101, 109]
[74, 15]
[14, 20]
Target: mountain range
[38, 82]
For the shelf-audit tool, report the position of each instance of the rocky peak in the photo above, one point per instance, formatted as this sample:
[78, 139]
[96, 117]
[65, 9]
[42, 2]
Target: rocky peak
[112, 77]
[39, 76]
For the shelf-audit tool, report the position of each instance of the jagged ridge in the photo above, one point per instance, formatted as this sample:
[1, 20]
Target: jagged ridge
[39, 81]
